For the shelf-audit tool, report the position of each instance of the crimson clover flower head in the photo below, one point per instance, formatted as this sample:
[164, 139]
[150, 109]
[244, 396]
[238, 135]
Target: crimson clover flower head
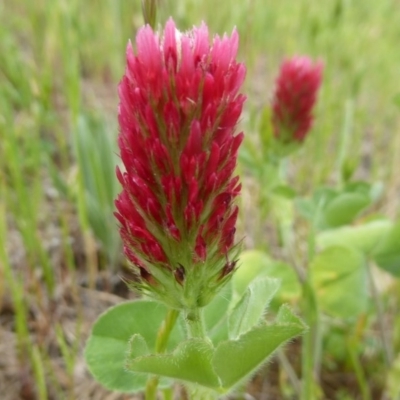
[179, 107]
[294, 99]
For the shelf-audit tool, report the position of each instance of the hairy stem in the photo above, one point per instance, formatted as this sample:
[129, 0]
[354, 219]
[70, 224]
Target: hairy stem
[195, 323]
[161, 345]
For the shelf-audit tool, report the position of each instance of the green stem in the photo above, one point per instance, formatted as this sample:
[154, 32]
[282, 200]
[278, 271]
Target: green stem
[165, 330]
[361, 379]
[310, 352]
[308, 349]
[312, 340]
[196, 329]
[383, 329]
[195, 323]
[151, 388]
[291, 373]
[168, 394]
[161, 345]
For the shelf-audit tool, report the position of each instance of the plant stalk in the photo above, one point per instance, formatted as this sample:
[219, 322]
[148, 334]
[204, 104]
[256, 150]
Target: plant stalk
[168, 394]
[291, 373]
[308, 348]
[311, 345]
[383, 329]
[195, 326]
[361, 379]
[161, 345]
[195, 323]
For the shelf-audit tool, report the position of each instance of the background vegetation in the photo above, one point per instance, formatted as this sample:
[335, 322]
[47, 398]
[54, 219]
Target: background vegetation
[60, 63]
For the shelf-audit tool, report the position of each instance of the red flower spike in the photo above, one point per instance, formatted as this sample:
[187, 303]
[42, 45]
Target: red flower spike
[179, 107]
[294, 98]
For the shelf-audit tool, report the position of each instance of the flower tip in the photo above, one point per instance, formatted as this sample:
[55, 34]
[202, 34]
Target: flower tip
[170, 24]
[235, 36]
[129, 50]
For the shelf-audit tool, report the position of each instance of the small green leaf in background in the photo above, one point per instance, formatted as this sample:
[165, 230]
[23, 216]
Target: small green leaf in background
[190, 362]
[305, 208]
[344, 208]
[330, 208]
[107, 346]
[235, 361]
[249, 311]
[362, 237]
[137, 347]
[386, 254]
[340, 280]
[252, 263]
[310, 208]
[256, 263]
[284, 191]
[373, 191]
[348, 168]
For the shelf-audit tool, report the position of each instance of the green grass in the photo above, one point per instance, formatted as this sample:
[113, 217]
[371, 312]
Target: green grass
[60, 63]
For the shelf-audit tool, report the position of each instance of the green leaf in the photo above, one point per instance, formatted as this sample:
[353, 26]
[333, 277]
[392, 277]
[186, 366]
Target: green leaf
[329, 208]
[362, 237]
[387, 252]
[339, 277]
[283, 211]
[190, 362]
[137, 347]
[284, 191]
[323, 195]
[252, 263]
[215, 315]
[305, 208]
[360, 187]
[290, 289]
[344, 208]
[250, 309]
[348, 168]
[311, 208]
[255, 263]
[108, 343]
[235, 361]
[372, 191]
